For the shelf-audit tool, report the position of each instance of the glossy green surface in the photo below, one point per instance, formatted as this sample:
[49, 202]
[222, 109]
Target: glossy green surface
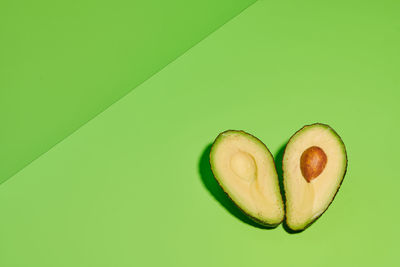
[133, 188]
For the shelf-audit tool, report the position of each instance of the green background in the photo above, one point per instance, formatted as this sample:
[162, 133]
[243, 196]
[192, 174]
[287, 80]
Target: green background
[63, 62]
[132, 187]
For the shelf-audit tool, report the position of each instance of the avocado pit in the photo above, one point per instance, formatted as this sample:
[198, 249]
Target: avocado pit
[312, 162]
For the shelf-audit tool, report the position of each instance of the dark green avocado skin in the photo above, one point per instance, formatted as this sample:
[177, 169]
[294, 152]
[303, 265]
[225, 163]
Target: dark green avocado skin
[259, 222]
[285, 225]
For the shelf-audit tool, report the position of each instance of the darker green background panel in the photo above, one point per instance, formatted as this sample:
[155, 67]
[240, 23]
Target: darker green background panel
[63, 62]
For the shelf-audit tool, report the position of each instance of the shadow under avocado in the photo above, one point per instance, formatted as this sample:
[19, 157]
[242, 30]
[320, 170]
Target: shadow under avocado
[278, 165]
[216, 191]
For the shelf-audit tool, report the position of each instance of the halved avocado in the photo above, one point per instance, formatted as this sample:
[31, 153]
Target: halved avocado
[245, 169]
[314, 165]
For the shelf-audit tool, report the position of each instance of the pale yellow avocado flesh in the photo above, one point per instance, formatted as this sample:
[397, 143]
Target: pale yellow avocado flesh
[245, 169]
[306, 201]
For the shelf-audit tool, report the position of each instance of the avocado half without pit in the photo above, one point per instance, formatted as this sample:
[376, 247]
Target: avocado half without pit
[314, 165]
[244, 168]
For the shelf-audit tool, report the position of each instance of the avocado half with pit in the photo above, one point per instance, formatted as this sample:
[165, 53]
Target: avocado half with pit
[245, 169]
[314, 165]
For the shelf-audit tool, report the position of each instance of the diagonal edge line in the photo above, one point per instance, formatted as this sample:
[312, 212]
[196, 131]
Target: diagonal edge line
[129, 92]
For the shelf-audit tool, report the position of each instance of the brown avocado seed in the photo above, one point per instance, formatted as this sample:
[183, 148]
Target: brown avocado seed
[312, 162]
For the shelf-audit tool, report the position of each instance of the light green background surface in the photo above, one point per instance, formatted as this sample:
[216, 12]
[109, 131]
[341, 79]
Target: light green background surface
[126, 188]
[63, 62]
